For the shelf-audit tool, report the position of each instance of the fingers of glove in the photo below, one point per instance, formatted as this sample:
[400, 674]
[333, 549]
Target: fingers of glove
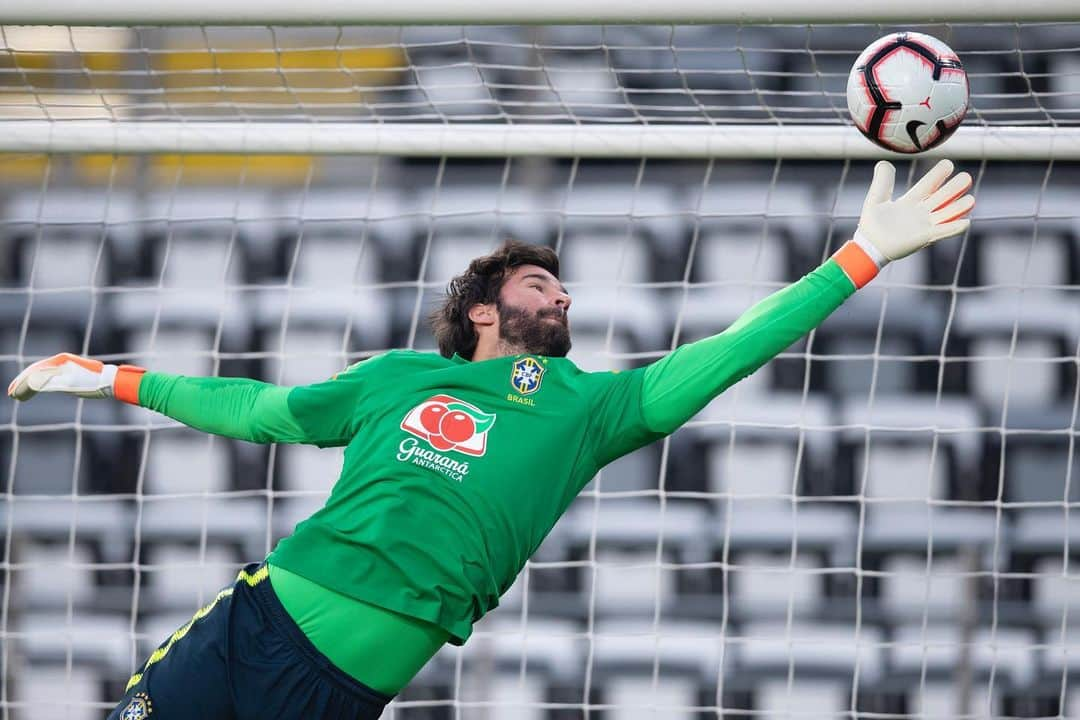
[31, 381]
[931, 181]
[949, 229]
[953, 211]
[958, 185]
[36, 377]
[881, 187]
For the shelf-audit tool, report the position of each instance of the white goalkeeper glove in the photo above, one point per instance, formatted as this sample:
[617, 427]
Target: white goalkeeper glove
[79, 376]
[891, 229]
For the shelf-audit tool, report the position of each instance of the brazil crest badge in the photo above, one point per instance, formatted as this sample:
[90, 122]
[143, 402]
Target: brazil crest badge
[138, 709]
[526, 375]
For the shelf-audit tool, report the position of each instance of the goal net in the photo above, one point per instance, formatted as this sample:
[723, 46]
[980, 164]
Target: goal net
[876, 524]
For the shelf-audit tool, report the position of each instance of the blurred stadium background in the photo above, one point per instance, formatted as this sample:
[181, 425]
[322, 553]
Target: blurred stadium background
[877, 524]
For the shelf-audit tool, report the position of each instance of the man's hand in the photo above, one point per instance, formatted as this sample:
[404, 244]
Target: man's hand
[931, 210]
[891, 229]
[78, 376]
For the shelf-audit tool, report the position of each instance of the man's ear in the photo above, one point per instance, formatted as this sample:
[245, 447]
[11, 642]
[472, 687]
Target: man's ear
[483, 314]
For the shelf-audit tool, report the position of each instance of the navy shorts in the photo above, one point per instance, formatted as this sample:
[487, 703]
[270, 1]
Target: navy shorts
[243, 657]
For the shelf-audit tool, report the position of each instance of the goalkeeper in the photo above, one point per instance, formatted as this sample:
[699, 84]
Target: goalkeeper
[456, 467]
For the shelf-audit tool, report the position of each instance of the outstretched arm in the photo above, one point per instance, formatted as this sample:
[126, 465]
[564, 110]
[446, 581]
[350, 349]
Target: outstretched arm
[677, 386]
[319, 414]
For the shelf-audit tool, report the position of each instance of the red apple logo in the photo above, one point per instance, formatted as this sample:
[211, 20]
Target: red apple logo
[447, 423]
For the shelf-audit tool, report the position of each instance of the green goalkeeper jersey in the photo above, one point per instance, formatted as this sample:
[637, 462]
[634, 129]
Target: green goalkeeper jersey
[455, 471]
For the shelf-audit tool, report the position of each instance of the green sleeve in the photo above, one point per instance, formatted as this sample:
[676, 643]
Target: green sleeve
[680, 384]
[321, 414]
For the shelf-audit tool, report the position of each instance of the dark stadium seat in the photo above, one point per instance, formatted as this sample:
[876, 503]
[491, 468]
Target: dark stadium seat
[1034, 368]
[57, 689]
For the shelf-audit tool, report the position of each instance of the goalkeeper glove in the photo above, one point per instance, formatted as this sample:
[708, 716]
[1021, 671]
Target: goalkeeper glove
[79, 376]
[891, 229]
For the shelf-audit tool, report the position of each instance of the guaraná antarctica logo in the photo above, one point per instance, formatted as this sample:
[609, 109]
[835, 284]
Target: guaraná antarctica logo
[446, 424]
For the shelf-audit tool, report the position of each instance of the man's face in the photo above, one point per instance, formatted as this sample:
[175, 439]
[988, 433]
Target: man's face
[533, 307]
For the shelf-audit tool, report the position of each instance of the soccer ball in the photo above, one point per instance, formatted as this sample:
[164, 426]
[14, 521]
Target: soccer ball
[907, 92]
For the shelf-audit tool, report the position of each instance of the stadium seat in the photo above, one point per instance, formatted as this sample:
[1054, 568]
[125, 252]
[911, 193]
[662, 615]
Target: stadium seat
[768, 585]
[312, 348]
[912, 589]
[1043, 257]
[783, 699]
[103, 523]
[742, 257]
[309, 470]
[649, 669]
[225, 520]
[759, 207]
[194, 260]
[876, 332]
[50, 576]
[810, 651]
[767, 446]
[451, 89]
[1019, 345]
[898, 527]
[1062, 655]
[185, 577]
[337, 248]
[552, 648]
[578, 83]
[941, 699]
[52, 457]
[1055, 588]
[480, 216]
[86, 228]
[620, 538]
[643, 698]
[332, 256]
[635, 522]
[182, 461]
[56, 690]
[84, 637]
[1004, 655]
[379, 223]
[1063, 74]
[178, 347]
[910, 447]
[1039, 458]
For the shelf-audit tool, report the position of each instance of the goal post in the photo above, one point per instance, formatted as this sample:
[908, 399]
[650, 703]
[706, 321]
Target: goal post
[793, 142]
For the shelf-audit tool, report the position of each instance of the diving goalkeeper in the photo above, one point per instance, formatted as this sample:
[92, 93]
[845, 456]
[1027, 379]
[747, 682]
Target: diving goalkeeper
[456, 466]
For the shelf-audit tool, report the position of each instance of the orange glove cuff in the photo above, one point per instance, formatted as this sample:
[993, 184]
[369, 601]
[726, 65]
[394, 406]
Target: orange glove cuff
[126, 385]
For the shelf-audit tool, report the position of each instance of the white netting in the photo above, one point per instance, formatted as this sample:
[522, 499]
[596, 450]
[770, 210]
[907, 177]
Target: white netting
[876, 524]
[1020, 73]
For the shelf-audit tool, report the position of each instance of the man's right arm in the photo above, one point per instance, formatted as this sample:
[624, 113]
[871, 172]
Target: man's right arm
[233, 407]
[321, 414]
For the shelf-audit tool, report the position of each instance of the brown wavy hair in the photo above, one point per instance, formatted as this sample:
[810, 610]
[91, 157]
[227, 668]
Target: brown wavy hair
[480, 284]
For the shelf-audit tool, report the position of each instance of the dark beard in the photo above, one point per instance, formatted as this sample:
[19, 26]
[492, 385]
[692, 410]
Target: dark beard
[534, 334]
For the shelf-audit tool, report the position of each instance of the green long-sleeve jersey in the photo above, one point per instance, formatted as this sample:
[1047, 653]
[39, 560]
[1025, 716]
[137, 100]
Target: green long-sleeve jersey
[455, 471]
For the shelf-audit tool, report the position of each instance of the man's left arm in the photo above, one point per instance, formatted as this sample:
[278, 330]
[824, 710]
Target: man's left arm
[679, 385]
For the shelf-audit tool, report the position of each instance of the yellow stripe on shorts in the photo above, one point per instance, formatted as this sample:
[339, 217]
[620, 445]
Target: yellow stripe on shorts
[252, 580]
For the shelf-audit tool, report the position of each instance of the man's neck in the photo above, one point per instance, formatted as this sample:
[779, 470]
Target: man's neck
[498, 348]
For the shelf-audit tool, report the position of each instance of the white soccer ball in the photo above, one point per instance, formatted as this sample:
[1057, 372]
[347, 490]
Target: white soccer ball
[907, 92]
